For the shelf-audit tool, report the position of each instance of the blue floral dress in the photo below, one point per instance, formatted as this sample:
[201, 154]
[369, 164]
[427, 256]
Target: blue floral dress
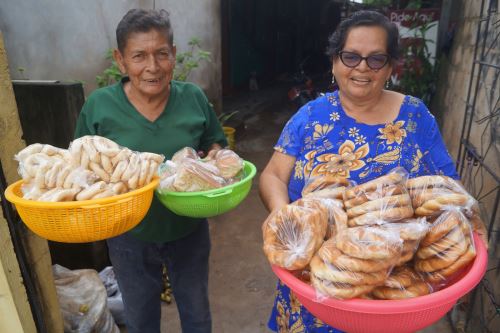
[325, 140]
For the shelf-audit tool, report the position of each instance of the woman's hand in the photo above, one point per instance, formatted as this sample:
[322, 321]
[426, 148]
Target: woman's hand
[273, 183]
[211, 151]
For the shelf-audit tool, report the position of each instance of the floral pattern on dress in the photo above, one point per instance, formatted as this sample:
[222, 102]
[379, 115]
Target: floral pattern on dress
[392, 132]
[324, 139]
[348, 159]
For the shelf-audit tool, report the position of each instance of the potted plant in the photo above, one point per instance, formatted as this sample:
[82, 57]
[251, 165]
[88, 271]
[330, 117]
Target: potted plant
[228, 130]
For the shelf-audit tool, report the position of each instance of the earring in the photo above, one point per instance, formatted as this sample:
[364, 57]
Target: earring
[387, 84]
[333, 79]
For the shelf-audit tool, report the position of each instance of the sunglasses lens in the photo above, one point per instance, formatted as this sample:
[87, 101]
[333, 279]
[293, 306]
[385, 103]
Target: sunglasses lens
[377, 61]
[350, 59]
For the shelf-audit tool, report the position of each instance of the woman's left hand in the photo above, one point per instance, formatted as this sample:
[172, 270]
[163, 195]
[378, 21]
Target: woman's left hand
[211, 151]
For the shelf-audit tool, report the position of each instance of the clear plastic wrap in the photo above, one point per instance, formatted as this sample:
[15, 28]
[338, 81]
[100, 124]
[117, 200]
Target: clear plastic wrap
[379, 201]
[411, 231]
[292, 235]
[228, 163]
[193, 176]
[188, 174]
[325, 186]
[447, 248]
[54, 174]
[186, 152]
[333, 208]
[403, 283]
[432, 194]
[354, 262]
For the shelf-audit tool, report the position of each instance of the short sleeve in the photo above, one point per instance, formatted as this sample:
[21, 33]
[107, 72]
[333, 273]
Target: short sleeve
[213, 130]
[290, 141]
[84, 125]
[436, 156]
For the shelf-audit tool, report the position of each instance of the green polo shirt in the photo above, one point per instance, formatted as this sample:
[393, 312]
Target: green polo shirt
[187, 121]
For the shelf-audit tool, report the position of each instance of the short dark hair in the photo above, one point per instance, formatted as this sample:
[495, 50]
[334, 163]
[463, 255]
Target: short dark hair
[140, 20]
[364, 18]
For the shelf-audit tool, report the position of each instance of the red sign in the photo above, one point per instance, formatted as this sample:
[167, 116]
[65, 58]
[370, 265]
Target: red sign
[413, 18]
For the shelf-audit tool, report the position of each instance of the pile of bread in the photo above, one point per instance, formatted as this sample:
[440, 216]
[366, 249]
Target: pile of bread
[187, 172]
[92, 167]
[389, 238]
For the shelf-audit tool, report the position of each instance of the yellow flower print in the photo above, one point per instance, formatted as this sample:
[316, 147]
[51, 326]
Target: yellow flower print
[334, 116]
[416, 160]
[348, 159]
[388, 157]
[353, 131]
[321, 131]
[298, 170]
[298, 326]
[310, 160]
[294, 303]
[392, 132]
[282, 319]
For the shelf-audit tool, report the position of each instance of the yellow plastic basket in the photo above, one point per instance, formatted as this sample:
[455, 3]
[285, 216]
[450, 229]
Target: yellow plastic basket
[83, 221]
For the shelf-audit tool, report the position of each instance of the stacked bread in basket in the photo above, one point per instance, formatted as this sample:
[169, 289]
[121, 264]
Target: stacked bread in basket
[389, 238]
[93, 167]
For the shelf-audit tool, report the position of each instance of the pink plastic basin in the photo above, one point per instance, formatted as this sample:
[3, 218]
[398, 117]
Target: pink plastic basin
[373, 316]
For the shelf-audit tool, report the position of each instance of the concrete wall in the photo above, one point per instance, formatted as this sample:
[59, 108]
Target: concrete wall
[450, 102]
[68, 39]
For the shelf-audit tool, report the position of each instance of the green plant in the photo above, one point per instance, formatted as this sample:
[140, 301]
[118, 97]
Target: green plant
[224, 117]
[111, 74]
[419, 73]
[185, 62]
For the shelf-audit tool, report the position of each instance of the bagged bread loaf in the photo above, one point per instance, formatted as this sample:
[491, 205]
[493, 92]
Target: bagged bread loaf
[378, 201]
[432, 194]
[447, 248]
[354, 262]
[293, 234]
[403, 283]
[186, 172]
[411, 232]
[325, 186]
[92, 167]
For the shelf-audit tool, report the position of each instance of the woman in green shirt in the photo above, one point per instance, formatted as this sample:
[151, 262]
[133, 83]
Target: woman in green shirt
[148, 111]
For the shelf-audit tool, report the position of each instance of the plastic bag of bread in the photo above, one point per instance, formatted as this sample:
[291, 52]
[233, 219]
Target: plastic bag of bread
[56, 174]
[325, 186]
[411, 232]
[337, 218]
[432, 194]
[228, 162]
[447, 248]
[167, 173]
[354, 262]
[194, 175]
[379, 201]
[113, 163]
[403, 283]
[186, 152]
[293, 234]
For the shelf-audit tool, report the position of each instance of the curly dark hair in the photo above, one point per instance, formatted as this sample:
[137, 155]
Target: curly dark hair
[140, 20]
[364, 18]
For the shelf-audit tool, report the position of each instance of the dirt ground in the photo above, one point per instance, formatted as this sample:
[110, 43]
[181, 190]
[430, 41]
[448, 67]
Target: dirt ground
[241, 282]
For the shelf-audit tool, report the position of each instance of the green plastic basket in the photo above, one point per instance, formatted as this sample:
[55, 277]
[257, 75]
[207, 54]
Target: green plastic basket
[209, 203]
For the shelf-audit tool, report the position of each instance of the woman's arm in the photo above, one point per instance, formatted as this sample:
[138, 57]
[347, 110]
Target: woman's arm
[273, 182]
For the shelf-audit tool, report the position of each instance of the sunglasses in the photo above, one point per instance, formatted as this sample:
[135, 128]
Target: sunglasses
[374, 61]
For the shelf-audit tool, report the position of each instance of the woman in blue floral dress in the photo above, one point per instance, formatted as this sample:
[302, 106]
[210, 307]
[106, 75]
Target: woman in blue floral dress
[360, 131]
